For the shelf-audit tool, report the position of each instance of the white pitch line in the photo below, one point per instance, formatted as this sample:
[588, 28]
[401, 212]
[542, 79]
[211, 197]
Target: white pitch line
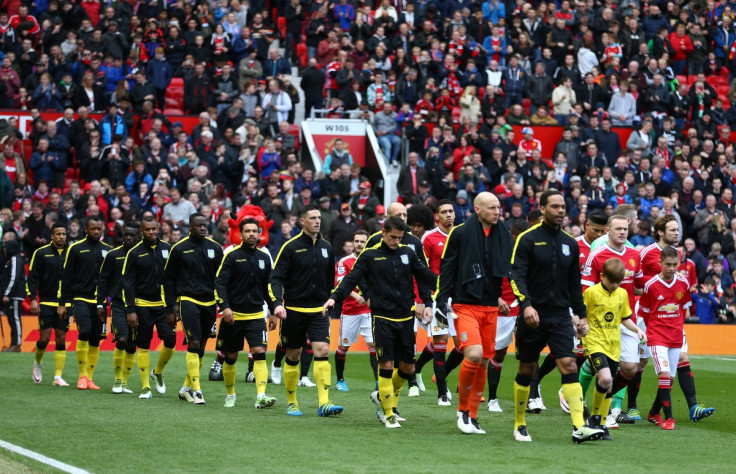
[725, 358]
[41, 458]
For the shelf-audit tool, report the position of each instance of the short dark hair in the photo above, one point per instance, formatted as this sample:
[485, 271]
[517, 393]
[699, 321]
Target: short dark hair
[133, 225]
[307, 208]
[194, 216]
[669, 252]
[546, 195]
[57, 225]
[93, 219]
[598, 217]
[518, 226]
[442, 202]
[361, 232]
[394, 223]
[247, 220]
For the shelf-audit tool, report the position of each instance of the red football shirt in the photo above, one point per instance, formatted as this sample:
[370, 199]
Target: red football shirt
[584, 250]
[663, 305]
[350, 307]
[507, 294]
[649, 256]
[591, 274]
[433, 242]
[689, 272]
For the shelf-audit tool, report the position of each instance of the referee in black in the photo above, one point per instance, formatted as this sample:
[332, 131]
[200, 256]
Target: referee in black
[302, 279]
[189, 280]
[389, 269]
[545, 276]
[78, 289]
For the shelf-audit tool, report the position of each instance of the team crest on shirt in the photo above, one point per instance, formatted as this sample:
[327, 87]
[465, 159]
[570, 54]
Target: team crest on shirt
[345, 340]
[261, 264]
[211, 253]
[679, 295]
[632, 262]
[565, 250]
[324, 253]
[165, 253]
[665, 363]
[464, 337]
[405, 259]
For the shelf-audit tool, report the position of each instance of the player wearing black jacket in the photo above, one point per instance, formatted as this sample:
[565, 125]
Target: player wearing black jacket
[389, 269]
[241, 292]
[143, 272]
[78, 289]
[545, 277]
[44, 276]
[111, 284]
[301, 281]
[189, 280]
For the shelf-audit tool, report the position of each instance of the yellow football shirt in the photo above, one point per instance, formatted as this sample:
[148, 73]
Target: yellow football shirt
[606, 310]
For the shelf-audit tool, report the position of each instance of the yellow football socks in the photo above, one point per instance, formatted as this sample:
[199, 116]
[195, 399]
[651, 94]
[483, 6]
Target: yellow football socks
[291, 378]
[574, 395]
[193, 370]
[598, 398]
[39, 354]
[397, 382]
[163, 358]
[144, 361]
[229, 372]
[118, 359]
[82, 349]
[59, 361]
[128, 364]
[260, 371]
[386, 392]
[521, 397]
[322, 376]
[93, 354]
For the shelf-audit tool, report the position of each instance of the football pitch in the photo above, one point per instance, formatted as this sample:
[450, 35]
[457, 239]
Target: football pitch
[99, 431]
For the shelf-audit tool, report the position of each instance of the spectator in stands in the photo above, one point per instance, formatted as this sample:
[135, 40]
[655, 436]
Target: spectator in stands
[622, 107]
[178, 209]
[197, 91]
[337, 157]
[385, 128]
[277, 105]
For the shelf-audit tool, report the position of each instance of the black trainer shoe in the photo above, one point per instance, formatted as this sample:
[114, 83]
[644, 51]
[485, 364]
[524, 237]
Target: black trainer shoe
[216, 372]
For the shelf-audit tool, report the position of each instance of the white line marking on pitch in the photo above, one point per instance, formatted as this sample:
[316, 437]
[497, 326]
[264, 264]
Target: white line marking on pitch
[41, 458]
[725, 358]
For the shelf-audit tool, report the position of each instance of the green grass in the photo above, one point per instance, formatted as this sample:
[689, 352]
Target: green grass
[103, 432]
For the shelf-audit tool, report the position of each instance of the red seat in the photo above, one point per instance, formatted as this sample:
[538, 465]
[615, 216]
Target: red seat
[301, 53]
[69, 173]
[173, 103]
[717, 81]
[692, 79]
[173, 112]
[281, 24]
[724, 72]
[456, 114]
[111, 228]
[722, 89]
[681, 78]
[527, 106]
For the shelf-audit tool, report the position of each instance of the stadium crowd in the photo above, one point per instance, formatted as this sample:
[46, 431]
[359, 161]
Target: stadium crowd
[448, 79]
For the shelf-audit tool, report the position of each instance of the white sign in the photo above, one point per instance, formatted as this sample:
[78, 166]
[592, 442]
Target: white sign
[337, 127]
